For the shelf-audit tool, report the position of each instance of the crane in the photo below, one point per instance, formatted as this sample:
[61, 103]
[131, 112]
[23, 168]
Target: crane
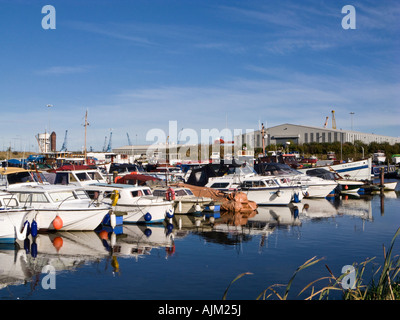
[64, 146]
[326, 122]
[129, 140]
[109, 147]
[105, 144]
[333, 120]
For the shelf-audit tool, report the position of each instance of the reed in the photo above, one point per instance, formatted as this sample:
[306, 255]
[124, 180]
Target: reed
[384, 285]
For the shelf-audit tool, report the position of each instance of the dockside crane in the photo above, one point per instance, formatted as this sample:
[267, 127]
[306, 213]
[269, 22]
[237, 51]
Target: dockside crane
[64, 145]
[105, 144]
[129, 140]
[326, 122]
[109, 148]
[333, 120]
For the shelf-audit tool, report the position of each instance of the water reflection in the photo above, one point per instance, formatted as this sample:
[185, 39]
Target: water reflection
[137, 241]
[68, 251]
[25, 260]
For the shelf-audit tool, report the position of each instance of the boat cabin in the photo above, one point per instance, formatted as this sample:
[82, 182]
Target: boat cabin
[79, 177]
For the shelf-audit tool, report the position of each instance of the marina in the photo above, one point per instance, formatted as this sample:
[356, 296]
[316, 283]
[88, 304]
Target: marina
[183, 151]
[107, 220]
[155, 262]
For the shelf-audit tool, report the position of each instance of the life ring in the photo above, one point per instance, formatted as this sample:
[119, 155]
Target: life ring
[170, 194]
[170, 250]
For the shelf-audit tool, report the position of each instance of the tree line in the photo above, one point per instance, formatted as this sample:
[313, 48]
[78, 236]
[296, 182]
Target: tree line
[355, 151]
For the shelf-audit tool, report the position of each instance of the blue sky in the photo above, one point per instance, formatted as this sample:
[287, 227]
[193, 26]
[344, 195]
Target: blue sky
[135, 65]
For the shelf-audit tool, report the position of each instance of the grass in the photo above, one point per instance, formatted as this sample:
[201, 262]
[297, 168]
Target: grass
[384, 285]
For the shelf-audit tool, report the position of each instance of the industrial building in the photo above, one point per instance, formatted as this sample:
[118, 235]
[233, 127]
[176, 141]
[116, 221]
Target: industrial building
[299, 134]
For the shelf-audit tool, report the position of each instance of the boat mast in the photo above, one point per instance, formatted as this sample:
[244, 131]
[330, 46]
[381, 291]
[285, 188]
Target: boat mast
[86, 124]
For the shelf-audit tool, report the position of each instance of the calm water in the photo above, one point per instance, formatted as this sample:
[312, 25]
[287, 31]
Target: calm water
[198, 261]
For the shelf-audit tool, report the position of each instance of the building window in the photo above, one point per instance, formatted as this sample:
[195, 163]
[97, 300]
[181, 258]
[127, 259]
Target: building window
[329, 137]
[306, 137]
[312, 137]
[323, 136]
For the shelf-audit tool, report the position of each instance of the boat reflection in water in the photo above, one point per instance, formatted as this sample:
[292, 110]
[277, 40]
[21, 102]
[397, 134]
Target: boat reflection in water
[346, 206]
[137, 241]
[24, 261]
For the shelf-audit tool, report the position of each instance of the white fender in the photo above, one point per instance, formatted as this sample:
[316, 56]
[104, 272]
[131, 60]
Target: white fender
[21, 235]
[180, 206]
[113, 220]
[113, 240]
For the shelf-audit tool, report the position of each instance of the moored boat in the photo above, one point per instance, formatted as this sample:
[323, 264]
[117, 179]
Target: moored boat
[265, 190]
[12, 218]
[63, 208]
[184, 199]
[136, 204]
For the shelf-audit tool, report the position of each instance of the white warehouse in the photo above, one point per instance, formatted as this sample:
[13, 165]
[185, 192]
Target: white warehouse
[299, 134]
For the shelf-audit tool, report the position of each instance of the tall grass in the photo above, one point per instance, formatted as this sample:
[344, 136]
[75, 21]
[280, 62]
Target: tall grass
[384, 285]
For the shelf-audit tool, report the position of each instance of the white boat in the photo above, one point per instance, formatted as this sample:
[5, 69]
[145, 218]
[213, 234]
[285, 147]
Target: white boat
[231, 181]
[349, 186]
[136, 203]
[184, 200]
[316, 187]
[12, 218]
[64, 208]
[356, 170]
[265, 190]
[79, 178]
[379, 157]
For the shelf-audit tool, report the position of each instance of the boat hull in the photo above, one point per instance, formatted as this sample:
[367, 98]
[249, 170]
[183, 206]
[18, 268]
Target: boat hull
[319, 191]
[86, 219]
[269, 196]
[11, 220]
[137, 213]
[357, 170]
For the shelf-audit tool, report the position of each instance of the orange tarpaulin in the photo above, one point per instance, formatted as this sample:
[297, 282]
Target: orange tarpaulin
[232, 202]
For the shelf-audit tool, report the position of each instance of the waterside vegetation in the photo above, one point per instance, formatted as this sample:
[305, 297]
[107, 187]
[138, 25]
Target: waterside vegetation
[384, 285]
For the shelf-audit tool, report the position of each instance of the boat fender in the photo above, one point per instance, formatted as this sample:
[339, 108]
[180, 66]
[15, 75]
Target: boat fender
[27, 245]
[34, 249]
[58, 243]
[22, 235]
[296, 212]
[278, 193]
[113, 240]
[147, 217]
[180, 206]
[170, 227]
[113, 220]
[147, 232]
[57, 223]
[197, 208]
[170, 213]
[34, 229]
[346, 187]
[296, 198]
[28, 231]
